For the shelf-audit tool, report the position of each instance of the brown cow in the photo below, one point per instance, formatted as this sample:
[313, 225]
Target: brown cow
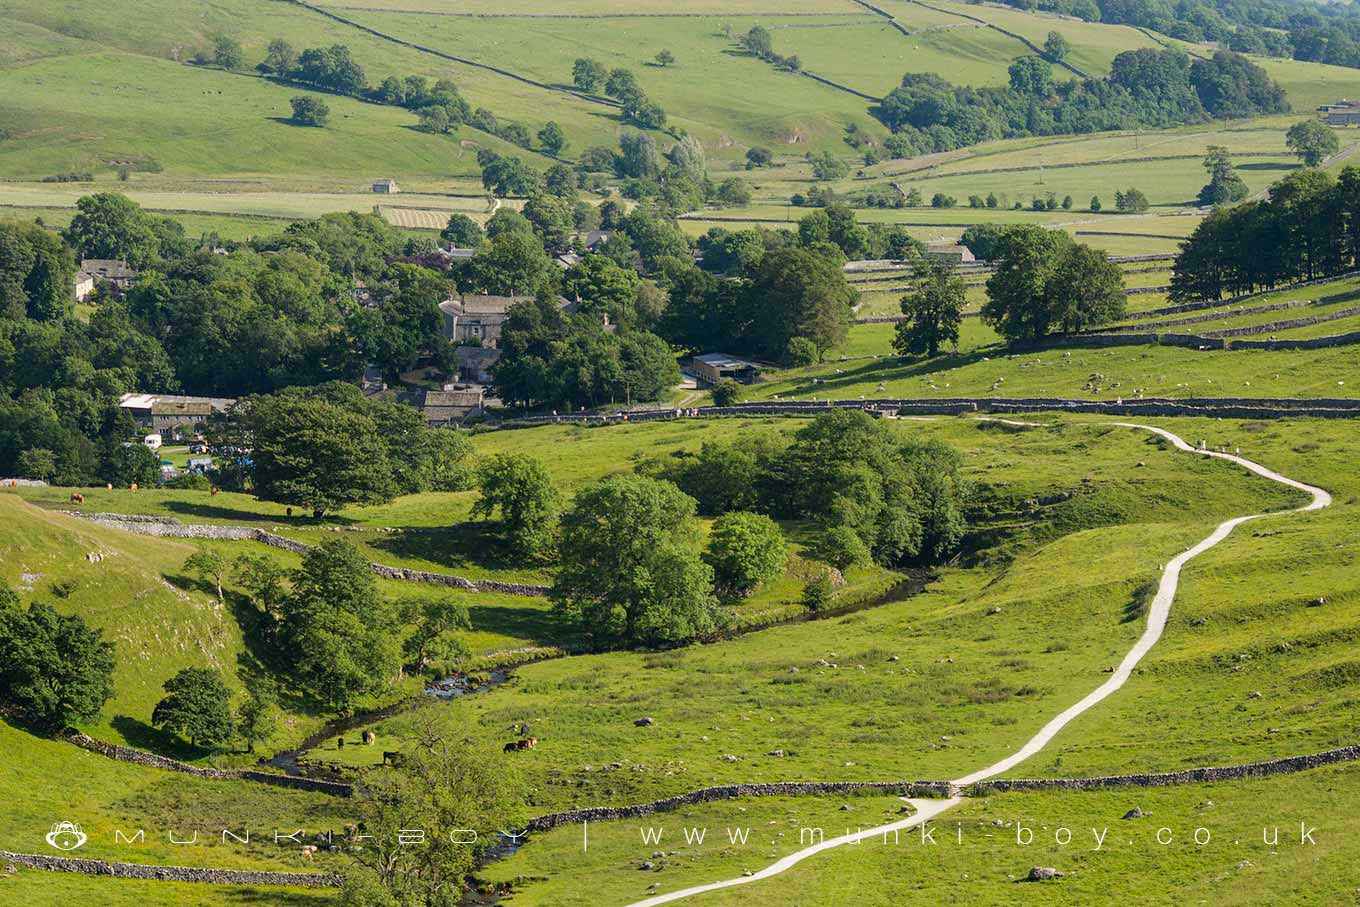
[527, 743]
[77, 498]
[132, 487]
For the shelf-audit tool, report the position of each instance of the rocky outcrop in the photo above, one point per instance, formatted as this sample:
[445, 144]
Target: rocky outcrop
[172, 873]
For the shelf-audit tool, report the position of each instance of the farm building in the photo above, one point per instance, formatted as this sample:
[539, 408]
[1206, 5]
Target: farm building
[386, 187]
[1342, 113]
[478, 319]
[714, 367]
[452, 405]
[166, 413]
[94, 271]
[949, 253]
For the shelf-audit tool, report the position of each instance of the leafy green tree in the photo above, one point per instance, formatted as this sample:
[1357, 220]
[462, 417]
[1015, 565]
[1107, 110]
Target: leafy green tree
[337, 628]
[800, 293]
[197, 706]
[1032, 76]
[826, 166]
[934, 311]
[1044, 282]
[227, 52]
[38, 463]
[435, 639]
[552, 139]
[37, 273]
[130, 463]
[588, 74]
[744, 550]
[442, 786]
[758, 157]
[1224, 186]
[622, 85]
[309, 111]
[506, 175]
[552, 220]
[316, 454]
[257, 718]
[211, 568]
[520, 488]
[462, 231]
[801, 352]
[1095, 203]
[758, 41]
[1312, 140]
[53, 668]
[726, 392]
[109, 225]
[280, 58]
[511, 264]
[603, 287]
[817, 592]
[628, 565]
[1132, 201]
[265, 581]
[665, 58]
[1056, 47]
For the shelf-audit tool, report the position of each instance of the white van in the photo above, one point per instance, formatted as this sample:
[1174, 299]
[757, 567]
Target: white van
[153, 442]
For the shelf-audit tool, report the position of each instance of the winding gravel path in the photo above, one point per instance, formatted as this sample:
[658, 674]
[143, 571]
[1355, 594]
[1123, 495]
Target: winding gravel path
[925, 809]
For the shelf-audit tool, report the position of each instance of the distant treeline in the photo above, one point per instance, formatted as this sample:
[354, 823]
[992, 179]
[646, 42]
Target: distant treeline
[1316, 32]
[1145, 88]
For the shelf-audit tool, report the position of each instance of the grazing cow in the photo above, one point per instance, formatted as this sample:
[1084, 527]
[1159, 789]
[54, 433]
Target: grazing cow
[527, 743]
[308, 850]
[212, 492]
[132, 487]
[370, 738]
[77, 498]
[108, 486]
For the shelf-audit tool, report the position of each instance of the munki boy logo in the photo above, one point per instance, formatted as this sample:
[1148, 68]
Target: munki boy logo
[66, 836]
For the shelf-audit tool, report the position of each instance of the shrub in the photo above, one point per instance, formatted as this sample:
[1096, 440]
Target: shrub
[726, 392]
[744, 550]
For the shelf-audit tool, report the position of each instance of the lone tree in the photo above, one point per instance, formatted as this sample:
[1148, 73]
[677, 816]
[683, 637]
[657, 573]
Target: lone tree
[337, 628]
[210, 567]
[1055, 47]
[257, 718]
[629, 568]
[1224, 186]
[438, 623]
[744, 550]
[1312, 141]
[53, 668]
[552, 138]
[1044, 283]
[934, 311]
[308, 111]
[519, 487]
[316, 454]
[665, 58]
[197, 706]
[588, 74]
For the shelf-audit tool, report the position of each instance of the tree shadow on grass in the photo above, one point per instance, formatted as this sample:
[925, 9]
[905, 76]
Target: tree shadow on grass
[877, 369]
[537, 626]
[463, 545]
[1268, 165]
[300, 518]
[143, 736]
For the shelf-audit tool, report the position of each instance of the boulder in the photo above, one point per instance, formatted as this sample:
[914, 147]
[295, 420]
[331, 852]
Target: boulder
[1043, 874]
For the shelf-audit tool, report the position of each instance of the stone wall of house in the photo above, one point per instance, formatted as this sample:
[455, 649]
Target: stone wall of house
[152, 760]
[172, 528]
[171, 873]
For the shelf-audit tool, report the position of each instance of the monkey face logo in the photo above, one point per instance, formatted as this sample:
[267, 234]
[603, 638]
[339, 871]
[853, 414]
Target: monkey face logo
[66, 836]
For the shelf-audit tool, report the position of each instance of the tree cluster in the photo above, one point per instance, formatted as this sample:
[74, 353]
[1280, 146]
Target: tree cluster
[1044, 282]
[1308, 227]
[1145, 88]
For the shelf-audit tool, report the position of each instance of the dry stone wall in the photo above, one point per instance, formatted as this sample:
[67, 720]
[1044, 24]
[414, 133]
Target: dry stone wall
[152, 760]
[170, 527]
[171, 873]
